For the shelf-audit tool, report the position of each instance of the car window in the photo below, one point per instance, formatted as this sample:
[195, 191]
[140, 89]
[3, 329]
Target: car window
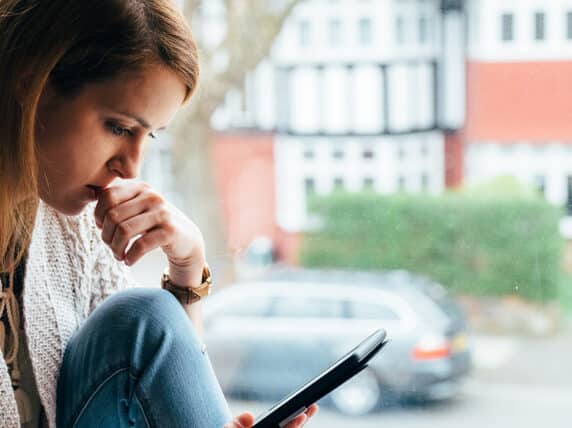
[362, 310]
[293, 307]
[246, 306]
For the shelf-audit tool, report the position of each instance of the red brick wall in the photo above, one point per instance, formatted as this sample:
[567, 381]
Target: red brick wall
[244, 169]
[512, 101]
[454, 151]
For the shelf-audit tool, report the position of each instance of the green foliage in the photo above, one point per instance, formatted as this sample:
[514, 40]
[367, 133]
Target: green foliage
[481, 246]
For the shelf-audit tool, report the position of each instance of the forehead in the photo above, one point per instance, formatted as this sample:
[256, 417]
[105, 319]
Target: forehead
[154, 93]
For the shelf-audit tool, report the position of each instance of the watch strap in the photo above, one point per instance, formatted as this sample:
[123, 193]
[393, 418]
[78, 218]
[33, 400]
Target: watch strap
[188, 295]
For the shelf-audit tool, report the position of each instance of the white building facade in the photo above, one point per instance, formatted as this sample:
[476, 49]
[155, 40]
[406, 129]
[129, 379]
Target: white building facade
[352, 91]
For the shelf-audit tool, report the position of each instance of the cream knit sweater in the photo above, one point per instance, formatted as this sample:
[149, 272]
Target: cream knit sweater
[69, 270]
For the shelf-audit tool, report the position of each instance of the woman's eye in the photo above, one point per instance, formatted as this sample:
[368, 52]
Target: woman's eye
[153, 135]
[119, 131]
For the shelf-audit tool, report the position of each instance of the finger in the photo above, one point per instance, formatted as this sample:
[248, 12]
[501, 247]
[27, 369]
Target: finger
[137, 225]
[148, 242]
[119, 214]
[298, 421]
[312, 410]
[244, 420]
[114, 195]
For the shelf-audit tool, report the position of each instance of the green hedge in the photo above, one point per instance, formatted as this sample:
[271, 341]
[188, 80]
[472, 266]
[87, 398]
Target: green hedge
[472, 245]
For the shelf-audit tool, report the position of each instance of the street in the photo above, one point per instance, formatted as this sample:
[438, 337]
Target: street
[521, 382]
[478, 405]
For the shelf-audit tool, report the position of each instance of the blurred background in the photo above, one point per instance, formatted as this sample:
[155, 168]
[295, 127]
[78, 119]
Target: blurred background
[403, 164]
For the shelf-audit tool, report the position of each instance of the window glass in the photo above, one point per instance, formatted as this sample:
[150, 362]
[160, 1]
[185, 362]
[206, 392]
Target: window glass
[365, 31]
[539, 26]
[335, 32]
[400, 30]
[304, 34]
[423, 30]
[246, 307]
[507, 27]
[368, 183]
[401, 145]
[310, 186]
[307, 308]
[379, 311]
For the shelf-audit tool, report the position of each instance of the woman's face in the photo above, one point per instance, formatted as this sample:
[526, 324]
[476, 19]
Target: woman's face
[87, 141]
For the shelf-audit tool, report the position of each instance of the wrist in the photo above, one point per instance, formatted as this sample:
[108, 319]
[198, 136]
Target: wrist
[190, 294]
[189, 276]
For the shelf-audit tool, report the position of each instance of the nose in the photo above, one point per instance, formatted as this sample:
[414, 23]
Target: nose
[127, 163]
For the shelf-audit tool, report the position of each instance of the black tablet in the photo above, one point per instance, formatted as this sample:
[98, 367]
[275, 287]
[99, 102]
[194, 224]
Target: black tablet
[341, 371]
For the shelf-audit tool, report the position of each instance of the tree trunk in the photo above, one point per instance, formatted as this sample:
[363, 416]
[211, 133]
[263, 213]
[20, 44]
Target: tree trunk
[195, 178]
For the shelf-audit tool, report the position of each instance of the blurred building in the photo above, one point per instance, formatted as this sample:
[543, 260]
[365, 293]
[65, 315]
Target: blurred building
[394, 96]
[519, 94]
[355, 95]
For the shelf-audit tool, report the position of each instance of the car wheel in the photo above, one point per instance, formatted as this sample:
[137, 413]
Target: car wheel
[359, 395]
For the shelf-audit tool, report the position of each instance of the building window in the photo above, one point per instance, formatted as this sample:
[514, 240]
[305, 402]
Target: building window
[423, 30]
[569, 25]
[338, 184]
[539, 26]
[309, 154]
[338, 154]
[335, 32]
[368, 154]
[309, 187]
[401, 184]
[540, 184]
[401, 152]
[424, 150]
[304, 33]
[368, 183]
[425, 182]
[569, 195]
[399, 30]
[365, 31]
[507, 27]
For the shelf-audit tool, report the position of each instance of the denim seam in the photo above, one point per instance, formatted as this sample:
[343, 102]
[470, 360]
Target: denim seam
[95, 392]
[143, 411]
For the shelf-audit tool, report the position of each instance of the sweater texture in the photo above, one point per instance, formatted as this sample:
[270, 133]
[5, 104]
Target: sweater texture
[69, 271]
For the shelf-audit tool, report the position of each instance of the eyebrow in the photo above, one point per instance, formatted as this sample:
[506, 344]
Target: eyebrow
[139, 120]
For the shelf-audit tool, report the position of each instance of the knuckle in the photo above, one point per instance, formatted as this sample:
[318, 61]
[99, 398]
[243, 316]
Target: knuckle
[123, 229]
[168, 229]
[164, 216]
[155, 198]
[138, 247]
[113, 216]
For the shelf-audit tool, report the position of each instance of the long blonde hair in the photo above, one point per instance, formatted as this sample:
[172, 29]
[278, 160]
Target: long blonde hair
[70, 43]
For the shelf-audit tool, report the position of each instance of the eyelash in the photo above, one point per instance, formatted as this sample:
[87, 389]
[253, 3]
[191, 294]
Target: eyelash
[119, 131]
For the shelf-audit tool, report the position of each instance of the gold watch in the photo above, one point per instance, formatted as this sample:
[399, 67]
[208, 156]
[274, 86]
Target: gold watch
[188, 295]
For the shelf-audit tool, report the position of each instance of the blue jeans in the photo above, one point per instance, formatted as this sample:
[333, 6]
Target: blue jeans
[137, 362]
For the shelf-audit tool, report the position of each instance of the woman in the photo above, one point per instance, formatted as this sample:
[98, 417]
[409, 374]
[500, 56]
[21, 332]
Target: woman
[85, 85]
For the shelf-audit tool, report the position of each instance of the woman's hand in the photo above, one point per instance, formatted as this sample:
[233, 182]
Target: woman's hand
[131, 209]
[246, 420]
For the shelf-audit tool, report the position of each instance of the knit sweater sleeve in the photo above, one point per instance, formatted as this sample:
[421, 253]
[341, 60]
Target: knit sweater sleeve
[108, 275]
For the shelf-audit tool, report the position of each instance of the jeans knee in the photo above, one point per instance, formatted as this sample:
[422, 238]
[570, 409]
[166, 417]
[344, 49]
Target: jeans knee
[154, 309]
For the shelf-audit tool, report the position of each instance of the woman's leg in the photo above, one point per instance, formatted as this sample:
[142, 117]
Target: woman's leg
[137, 361]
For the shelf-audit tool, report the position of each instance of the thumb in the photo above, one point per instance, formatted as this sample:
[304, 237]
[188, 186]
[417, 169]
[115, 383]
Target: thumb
[244, 420]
